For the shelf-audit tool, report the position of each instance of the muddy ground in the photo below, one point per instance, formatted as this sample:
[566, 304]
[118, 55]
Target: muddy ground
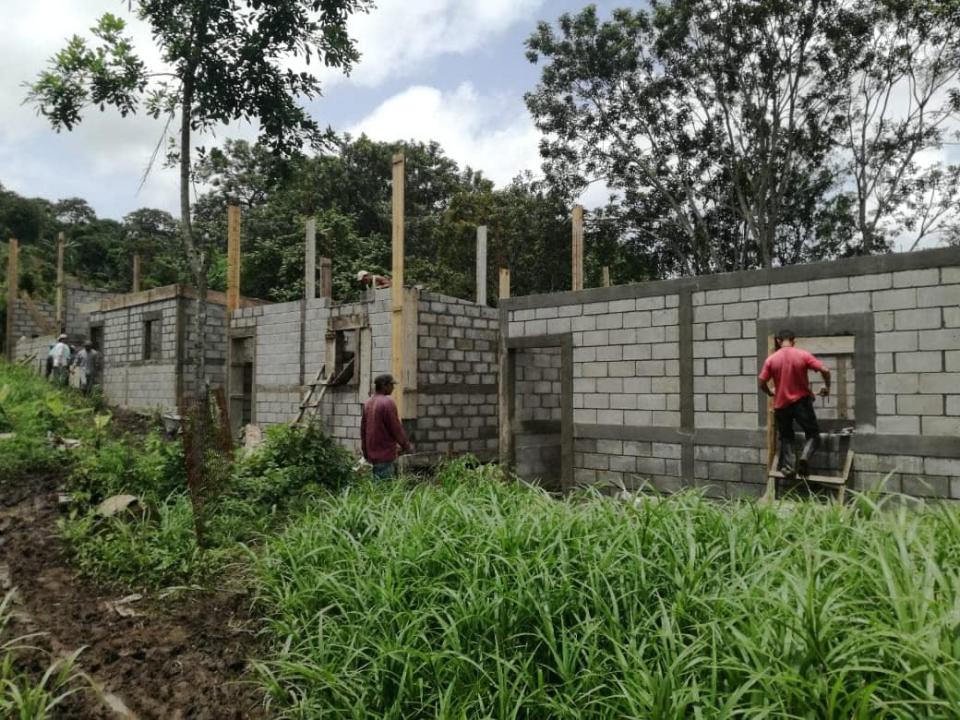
[175, 658]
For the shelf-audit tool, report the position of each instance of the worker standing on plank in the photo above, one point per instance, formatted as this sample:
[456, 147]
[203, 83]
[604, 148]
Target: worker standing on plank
[793, 400]
[60, 356]
[380, 429]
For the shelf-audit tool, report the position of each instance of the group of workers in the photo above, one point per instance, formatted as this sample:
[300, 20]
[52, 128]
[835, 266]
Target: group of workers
[62, 358]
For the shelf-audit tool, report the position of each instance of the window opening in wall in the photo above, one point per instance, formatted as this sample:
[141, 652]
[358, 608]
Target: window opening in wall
[151, 339]
[241, 382]
[96, 338]
[345, 358]
[836, 352]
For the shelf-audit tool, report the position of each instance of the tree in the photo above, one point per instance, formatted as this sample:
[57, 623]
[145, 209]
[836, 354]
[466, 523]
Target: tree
[717, 110]
[224, 60]
[909, 51]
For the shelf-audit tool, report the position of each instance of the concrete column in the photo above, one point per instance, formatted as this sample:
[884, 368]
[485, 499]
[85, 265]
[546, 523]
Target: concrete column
[482, 265]
[136, 273]
[606, 276]
[310, 264]
[60, 312]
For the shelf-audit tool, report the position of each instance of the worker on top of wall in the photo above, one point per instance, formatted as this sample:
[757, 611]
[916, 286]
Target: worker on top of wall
[793, 400]
[368, 280]
[381, 431]
[60, 355]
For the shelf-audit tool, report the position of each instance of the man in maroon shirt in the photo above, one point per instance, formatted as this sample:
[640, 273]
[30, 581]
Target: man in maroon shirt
[793, 400]
[380, 429]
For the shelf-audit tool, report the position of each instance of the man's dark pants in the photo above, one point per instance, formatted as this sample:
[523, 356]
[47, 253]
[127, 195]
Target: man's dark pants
[385, 470]
[801, 412]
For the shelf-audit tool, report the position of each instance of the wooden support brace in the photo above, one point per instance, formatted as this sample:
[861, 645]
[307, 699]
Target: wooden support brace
[398, 330]
[233, 259]
[504, 283]
[60, 298]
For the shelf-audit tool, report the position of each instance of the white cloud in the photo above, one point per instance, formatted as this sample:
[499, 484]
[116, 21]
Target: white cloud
[399, 37]
[492, 134]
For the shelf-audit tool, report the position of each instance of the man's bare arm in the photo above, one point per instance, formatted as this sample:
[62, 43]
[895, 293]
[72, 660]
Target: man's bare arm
[764, 386]
[825, 390]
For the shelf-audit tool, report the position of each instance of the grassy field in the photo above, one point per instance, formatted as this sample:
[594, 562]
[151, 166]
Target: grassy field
[476, 598]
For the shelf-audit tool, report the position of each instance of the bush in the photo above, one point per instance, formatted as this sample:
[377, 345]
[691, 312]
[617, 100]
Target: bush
[152, 471]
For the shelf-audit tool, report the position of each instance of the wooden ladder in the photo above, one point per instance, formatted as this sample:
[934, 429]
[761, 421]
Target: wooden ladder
[309, 406]
[837, 482]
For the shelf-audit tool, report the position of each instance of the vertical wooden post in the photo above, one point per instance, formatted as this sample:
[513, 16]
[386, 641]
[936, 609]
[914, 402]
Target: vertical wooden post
[310, 263]
[136, 272]
[606, 276]
[59, 313]
[771, 493]
[577, 247]
[504, 283]
[397, 338]
[11, 297]
[233, 259]
[482, 265]
[326, 277]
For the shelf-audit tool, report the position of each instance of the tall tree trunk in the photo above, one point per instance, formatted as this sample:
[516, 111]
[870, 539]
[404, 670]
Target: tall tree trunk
[195, 256]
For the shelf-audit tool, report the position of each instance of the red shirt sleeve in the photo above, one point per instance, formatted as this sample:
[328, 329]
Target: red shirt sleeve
[765, 370]
[396, 427]
[812, 362]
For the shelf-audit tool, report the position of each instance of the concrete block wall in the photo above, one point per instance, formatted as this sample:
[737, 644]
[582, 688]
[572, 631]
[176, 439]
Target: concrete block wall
[456, 378]
[38, 347]
[215, 337]
[27, 324]
[664, 373]
[128, 379]
[456, 356]
[79, 302]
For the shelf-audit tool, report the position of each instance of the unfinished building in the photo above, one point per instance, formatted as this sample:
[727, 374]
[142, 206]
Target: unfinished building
[448, 378]
[657, 382]
[147, 343]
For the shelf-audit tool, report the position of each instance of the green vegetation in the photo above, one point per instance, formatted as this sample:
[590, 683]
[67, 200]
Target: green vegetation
[479, 598]
[27, 696]
[30, 408]
[154, 545]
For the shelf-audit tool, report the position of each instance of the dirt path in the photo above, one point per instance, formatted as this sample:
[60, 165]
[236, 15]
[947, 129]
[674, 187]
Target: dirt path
[172, 660]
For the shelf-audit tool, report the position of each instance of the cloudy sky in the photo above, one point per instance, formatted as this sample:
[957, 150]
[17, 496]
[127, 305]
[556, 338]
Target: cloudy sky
[447, 70]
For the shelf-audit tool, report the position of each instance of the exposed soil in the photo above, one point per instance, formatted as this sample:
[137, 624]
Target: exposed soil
[176, 658]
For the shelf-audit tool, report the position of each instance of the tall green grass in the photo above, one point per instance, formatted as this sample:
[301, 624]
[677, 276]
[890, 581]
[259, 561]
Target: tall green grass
[32, 696]
[477, 598]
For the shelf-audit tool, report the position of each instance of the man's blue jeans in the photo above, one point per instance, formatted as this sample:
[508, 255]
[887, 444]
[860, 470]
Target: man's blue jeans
[384, 471]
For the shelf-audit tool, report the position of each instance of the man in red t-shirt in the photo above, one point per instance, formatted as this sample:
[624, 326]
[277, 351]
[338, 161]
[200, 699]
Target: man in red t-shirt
[793, 400]
[380, 429]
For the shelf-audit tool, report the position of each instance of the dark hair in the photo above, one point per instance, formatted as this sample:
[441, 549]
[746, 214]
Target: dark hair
[381, 381]
[785, 335]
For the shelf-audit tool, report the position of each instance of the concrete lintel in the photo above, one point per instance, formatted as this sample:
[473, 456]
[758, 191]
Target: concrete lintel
[867, 265]
[538, 341]
[454, 388]
[929, 446]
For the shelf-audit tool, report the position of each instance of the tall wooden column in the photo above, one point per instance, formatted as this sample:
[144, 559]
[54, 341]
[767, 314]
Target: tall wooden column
[397, 344]
[577, 248]
[504, 283]
[233, 260]
[606, 276]
[11, 297]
